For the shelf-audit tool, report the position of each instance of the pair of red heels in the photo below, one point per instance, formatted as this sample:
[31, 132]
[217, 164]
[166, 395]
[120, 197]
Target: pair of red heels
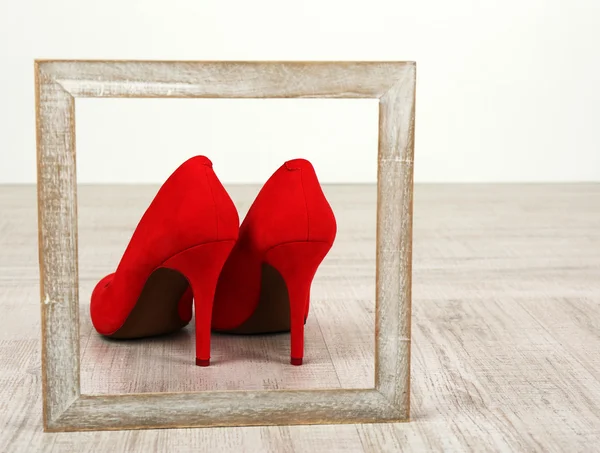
[188, 246]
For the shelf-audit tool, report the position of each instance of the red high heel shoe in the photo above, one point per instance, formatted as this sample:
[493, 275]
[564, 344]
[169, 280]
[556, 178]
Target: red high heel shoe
[178, 248]
[265, 283]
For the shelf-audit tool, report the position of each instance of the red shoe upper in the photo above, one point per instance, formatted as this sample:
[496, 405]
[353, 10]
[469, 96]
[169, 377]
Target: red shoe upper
[290, 207]
[191, 208]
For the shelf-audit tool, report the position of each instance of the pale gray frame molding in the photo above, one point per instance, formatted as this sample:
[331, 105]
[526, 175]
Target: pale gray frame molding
[57, 85]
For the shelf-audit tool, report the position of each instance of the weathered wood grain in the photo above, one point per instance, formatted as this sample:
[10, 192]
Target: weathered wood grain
[225, 79]
[274, 407]
[394, 241]
[59, 282]
[58, 82]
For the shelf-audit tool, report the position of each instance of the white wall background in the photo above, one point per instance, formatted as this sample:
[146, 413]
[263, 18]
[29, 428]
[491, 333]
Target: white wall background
[507, 90]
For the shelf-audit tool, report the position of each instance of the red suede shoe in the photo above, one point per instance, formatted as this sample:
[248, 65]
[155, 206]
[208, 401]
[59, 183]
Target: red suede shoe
[178, 248]
[265, 283]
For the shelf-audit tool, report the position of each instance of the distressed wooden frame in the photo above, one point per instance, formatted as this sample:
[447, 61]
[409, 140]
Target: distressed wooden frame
[57, 85]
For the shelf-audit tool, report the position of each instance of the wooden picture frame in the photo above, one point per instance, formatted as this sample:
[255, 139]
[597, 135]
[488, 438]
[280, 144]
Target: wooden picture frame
[58, 83]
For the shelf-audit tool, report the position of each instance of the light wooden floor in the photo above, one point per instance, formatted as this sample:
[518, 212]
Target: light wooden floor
[339, 333]
[506, 327]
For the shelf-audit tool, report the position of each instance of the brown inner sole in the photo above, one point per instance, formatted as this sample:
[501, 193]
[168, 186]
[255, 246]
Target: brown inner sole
[156, 310]
[272, 314]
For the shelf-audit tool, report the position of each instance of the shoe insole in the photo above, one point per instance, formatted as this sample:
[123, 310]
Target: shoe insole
[156, 310]
[272, 314]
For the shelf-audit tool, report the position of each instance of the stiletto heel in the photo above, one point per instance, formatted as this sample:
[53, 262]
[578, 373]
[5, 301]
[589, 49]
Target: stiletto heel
[297, 262]
[201, 266]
